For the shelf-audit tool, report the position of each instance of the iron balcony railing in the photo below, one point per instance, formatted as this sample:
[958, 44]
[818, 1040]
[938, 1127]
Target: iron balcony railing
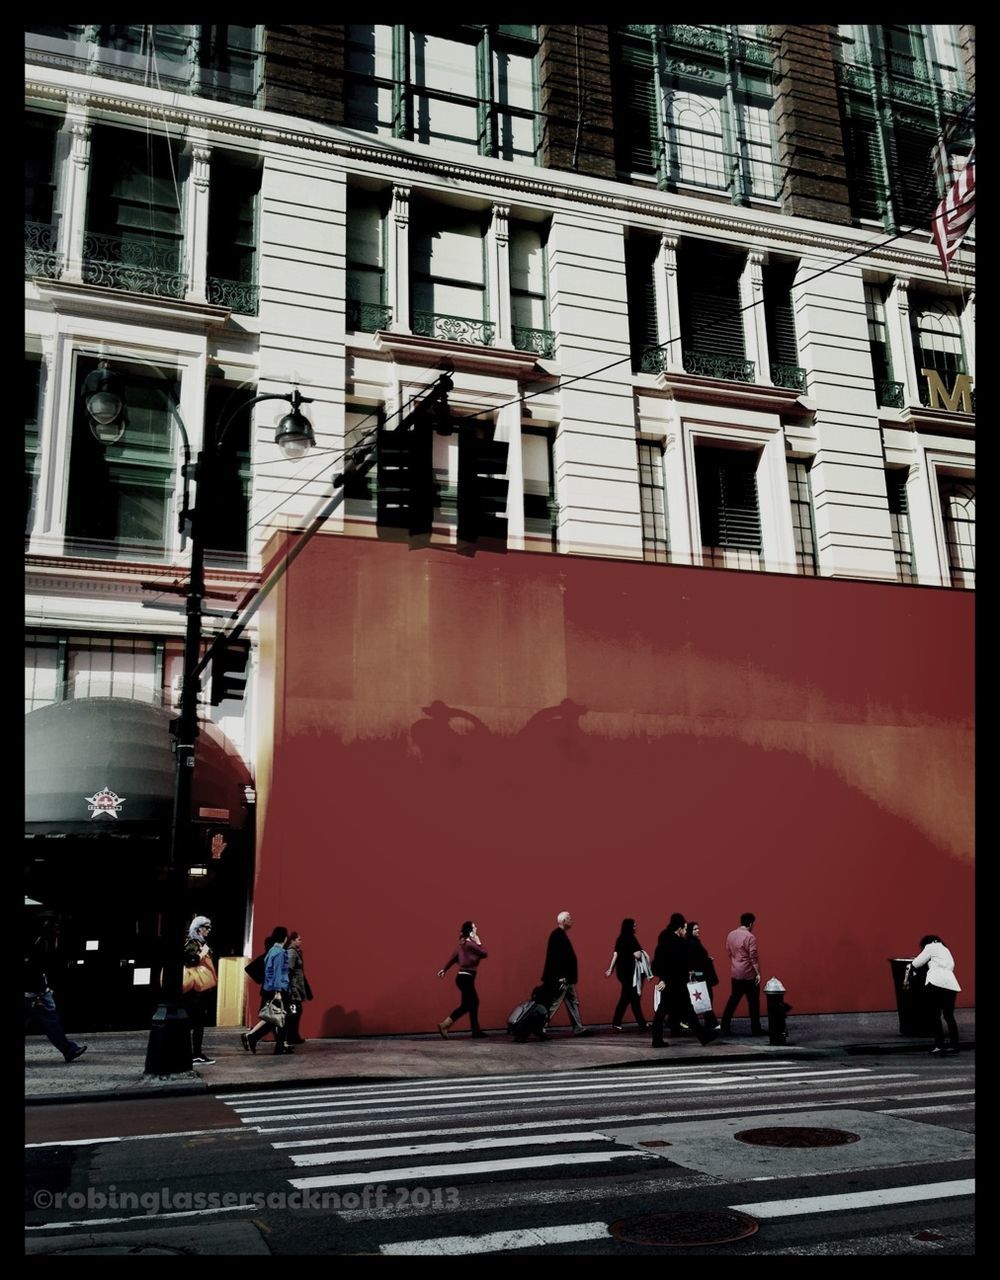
[541, 341]
[237, 295]
[652, 359]
[788, 375]
[40, 256]
[732, 368]
[475, 333]
[367, 317]
[890, 394]
[140, 266]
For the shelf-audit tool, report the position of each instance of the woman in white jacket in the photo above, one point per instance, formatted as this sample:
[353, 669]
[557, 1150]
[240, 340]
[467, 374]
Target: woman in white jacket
[941, 989]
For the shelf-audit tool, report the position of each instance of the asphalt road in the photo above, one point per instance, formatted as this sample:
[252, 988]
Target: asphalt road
[579, 1162]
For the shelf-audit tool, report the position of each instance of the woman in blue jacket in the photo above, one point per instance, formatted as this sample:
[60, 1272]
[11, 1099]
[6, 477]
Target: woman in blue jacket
[275, 987]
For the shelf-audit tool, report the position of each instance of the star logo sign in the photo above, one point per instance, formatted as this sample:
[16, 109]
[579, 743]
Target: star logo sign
[104, 802]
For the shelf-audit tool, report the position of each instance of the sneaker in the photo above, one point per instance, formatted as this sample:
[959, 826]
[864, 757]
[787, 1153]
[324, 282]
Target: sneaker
[78, 1052]
[582, 1031]
[202, 1061]
[939, 1049]
[952, 1048]
[616, 1027]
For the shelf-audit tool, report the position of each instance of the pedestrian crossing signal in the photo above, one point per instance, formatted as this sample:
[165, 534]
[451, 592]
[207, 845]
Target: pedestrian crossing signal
[229, 670]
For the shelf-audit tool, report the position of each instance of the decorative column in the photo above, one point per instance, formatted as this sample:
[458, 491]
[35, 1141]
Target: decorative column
[754, 324]
[897, 316]
[196, 221]
[73, 222]
[398, 266]
[498, 278]
[668, 308]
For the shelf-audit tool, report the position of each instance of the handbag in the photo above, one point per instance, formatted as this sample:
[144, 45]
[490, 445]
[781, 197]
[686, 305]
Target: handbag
[701, 1001]
[198, 977]
[273, 1012]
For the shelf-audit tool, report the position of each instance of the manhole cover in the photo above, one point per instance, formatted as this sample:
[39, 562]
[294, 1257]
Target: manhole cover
[654, 1142]
[796, 1136]
[707, 1226]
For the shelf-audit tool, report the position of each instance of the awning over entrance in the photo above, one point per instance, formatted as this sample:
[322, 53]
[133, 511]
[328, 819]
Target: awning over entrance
[105, 765]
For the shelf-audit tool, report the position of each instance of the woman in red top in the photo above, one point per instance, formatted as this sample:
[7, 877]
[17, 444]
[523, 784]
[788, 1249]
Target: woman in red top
[467, 956]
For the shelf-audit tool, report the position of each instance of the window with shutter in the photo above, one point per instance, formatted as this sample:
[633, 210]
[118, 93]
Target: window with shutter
[728, 508]
[636, 116]
[708, 281]
[779, 315]
[640, 259]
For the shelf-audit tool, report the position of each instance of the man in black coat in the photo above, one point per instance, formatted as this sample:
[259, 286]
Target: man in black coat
[560, 974]
[670, 969]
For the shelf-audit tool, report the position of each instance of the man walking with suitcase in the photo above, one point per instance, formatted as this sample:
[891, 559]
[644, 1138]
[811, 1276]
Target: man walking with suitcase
[561, 972]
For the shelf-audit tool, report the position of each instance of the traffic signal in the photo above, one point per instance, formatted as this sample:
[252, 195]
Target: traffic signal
[482, 484]
[407, 494]
[229, 670]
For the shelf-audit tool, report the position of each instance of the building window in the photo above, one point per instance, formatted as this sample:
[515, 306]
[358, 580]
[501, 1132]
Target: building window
[360, 427]
[120, 495]
[528, 290]
[958, 511]
[213, 61]
[937, 336]
[366, 255]
[899, 85]
[727, 507]
[134, 235]
[712, 339]
[448, 276]
[640, 263]
[540, 513]
[32, 418]
[899, 521]
[471, 87]
[234, 193]
[887, 392]
[40, 234]
[652, 503]
[803, 526]
[779, 322]
[58, 666]
[693, 107]
[224, 508]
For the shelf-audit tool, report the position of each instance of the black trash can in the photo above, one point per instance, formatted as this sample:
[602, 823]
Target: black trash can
[916, 1018]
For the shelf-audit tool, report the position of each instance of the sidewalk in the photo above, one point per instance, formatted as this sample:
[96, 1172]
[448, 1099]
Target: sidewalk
[112, 1067]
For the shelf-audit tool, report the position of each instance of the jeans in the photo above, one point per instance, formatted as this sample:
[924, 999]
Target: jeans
[942, 1002]
[466, 983]
[40, 1010]
[750, 988]
[568, 993]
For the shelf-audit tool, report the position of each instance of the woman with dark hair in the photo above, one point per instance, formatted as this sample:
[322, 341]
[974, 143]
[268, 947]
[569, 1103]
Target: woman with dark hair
[298, 988]
[467, 956]
[702, 969]
[940, 989]
[273, 988]
[626, 965]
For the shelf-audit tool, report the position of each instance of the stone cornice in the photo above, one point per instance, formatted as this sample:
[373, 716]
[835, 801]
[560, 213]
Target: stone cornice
[96, 300]
[544, 184]
[433, 351]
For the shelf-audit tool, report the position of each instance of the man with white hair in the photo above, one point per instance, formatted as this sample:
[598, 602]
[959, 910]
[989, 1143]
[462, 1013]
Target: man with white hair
[560, 974]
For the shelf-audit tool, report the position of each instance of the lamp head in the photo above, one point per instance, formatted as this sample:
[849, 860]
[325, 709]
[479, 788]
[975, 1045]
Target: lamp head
[103, 395]
[294, 434]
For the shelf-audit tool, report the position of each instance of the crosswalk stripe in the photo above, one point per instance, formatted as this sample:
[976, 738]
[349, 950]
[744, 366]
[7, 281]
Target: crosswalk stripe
[497, 1241]
[443, 1148]
[446, 1098]
[858, 1199]
[466, 1168]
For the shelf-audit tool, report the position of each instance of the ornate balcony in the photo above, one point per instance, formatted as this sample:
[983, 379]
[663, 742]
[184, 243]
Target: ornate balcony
[40, 256]
[890, 394]
[236, 295]
[541, 341]
[788, 375]
[136, 265]
[731, 368]
[367, 317]
[474, 333]
[652, 359]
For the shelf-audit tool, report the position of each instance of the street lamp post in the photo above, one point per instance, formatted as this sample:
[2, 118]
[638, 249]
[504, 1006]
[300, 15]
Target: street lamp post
[169, 1048]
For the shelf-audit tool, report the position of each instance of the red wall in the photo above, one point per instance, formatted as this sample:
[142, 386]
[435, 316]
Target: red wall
[799, 748]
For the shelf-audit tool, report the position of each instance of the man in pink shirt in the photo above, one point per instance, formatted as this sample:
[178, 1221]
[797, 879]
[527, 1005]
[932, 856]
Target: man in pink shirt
[744, 970]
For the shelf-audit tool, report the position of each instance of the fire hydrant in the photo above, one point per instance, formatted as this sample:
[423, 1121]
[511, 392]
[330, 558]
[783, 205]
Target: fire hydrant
[777, 1010]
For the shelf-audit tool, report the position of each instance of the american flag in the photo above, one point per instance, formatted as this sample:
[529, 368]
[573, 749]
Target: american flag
[957, 179]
